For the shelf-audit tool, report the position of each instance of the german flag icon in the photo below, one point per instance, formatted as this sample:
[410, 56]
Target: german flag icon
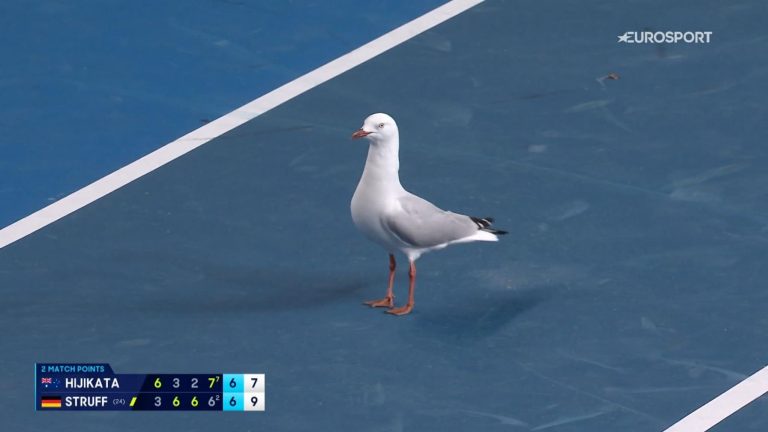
[50, 402]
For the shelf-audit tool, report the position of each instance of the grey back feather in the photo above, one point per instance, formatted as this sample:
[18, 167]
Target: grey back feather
[421, 224]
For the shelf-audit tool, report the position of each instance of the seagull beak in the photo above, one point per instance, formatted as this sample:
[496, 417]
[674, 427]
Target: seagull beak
[360, 133]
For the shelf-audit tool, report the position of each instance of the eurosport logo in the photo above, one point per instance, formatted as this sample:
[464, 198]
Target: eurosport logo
[659, 37]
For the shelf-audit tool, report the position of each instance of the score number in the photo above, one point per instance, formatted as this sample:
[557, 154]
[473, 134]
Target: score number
[244, 392]
[193, 382]
[255, 385]
[193, 402]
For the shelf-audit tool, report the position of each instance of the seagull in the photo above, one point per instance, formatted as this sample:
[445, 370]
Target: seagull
[398, 220]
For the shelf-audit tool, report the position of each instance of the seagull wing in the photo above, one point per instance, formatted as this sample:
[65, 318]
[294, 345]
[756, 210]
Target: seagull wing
[419, 223]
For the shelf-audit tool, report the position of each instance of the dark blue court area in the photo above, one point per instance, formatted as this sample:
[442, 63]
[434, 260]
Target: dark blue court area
[629, 291]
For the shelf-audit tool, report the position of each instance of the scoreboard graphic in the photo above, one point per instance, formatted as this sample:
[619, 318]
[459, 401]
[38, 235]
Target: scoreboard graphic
[96, 387]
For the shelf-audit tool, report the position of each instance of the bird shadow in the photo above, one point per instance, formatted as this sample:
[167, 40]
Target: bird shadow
[483, 316]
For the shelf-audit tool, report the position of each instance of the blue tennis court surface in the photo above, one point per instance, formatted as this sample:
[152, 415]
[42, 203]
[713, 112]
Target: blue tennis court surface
[629, 292]
[91, 85]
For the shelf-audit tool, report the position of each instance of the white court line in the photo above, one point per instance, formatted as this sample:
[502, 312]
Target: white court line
[249, 111]
[724, 405]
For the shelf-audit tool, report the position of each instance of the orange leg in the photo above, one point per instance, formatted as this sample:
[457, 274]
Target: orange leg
[389, 300]
[403, 310]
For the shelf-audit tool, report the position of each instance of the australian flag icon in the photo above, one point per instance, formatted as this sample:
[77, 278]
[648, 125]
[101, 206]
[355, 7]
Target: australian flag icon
[51, 383]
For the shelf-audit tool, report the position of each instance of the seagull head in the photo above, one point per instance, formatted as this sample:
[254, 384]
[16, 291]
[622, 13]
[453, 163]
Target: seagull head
[377, 127]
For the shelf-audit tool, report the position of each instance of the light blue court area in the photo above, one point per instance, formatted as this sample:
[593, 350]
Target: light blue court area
[90, 85]
[629, 291]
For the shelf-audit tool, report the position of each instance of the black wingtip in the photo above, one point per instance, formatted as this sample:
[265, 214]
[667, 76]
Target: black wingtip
[484, 224]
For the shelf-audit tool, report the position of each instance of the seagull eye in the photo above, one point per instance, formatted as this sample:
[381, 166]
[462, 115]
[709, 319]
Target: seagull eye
[381, 125]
